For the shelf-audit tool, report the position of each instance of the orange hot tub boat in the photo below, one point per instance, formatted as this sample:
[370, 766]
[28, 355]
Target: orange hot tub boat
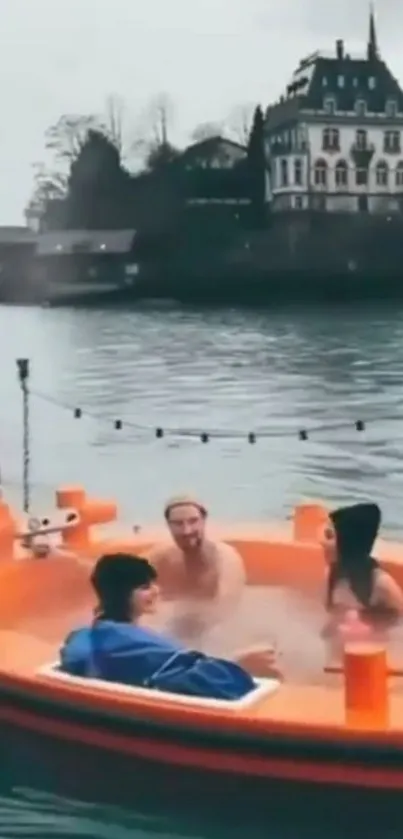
[345, 730]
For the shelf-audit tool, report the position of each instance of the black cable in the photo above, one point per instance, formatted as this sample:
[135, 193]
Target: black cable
[205, 435]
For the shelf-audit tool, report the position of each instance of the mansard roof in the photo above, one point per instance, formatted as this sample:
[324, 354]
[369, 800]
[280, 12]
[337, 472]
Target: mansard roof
[345, 79]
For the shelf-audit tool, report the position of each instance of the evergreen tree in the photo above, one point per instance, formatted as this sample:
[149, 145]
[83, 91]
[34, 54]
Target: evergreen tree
[257, 168]
[98, 185]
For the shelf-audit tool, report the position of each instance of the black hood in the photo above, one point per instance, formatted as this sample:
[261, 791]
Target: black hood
[356, 529]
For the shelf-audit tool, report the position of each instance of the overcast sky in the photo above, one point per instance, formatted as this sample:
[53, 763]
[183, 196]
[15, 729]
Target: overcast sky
[66, 56]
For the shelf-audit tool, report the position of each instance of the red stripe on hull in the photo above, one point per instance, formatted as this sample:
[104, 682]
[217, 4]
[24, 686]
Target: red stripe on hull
[218, 761]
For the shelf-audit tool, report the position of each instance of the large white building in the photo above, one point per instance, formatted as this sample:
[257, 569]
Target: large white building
[334, 140]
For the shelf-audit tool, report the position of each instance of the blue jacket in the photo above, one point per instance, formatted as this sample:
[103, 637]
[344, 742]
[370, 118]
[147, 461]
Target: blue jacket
[131, 655]
[116, 652]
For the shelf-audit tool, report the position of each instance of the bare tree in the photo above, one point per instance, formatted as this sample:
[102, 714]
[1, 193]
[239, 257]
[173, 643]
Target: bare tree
[152, 143]
[65, 140]
[115, 111]
[161, 114]
[240, 122]
[206, 130]
[67, 136]
[48, 187]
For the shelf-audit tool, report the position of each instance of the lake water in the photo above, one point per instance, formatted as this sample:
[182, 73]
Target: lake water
[222, 373]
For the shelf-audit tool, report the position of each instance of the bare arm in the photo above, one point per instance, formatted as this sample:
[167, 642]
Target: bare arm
[160, 556]
[156, 555]
[259, 661]
[232, 579]
[389, 593]
[172, 605]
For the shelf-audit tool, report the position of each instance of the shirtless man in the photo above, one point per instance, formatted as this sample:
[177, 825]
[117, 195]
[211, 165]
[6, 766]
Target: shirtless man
[203, 580]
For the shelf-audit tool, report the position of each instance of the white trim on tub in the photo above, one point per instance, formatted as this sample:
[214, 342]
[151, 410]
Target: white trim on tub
[264, 688]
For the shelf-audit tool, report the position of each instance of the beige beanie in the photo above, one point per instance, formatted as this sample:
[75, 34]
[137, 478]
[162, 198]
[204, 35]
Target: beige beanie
[180, 501]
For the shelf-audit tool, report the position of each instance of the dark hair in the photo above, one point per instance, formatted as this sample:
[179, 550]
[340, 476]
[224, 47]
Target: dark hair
[356, 528]
[114, 578]
[359, 573]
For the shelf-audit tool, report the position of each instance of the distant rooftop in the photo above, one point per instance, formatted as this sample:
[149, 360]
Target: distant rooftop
[346, 78]
[15, 235]
[67, 242]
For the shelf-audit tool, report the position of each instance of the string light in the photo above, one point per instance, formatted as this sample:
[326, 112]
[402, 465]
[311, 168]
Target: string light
[206, 435]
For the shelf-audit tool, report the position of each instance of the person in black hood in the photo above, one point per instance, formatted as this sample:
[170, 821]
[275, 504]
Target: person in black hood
[355, 579]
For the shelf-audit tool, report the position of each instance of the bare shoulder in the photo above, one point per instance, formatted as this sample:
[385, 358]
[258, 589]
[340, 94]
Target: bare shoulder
[385, 581]
[388, 592]
[162, 554]
[230, 557]
[228, 552]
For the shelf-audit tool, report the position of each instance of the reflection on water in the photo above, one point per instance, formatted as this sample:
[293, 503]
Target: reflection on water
[231, 371]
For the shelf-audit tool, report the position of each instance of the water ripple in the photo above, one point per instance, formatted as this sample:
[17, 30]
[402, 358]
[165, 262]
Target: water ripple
[244, 371]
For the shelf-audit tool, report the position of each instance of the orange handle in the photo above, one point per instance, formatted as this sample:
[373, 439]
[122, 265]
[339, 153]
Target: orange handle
[91, 511]
[99, 512]
[366, 686]
[70, 497]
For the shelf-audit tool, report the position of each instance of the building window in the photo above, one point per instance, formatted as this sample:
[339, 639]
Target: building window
[329, 104]
[302, 137]
[284, 172]
[382, 173]
[341, 174]
[372, 82]
[299, 202]
[361, 139]
[331, 139]
[361, 107]
[340, 81]
[391, 142]
[321, 173]
[391, 108]
[355, 82]
[298, 171]
[361, 177]
[324, 81]
[399, 174]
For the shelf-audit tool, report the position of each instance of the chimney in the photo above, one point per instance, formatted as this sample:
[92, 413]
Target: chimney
[340, 49]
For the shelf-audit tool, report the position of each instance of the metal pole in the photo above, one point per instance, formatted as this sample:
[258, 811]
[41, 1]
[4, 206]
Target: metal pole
[23, 376]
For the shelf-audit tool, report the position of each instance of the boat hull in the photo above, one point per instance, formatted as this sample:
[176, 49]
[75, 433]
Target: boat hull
[283, 758]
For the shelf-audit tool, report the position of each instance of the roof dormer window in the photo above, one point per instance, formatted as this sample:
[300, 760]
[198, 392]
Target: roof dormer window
[329, 104]
[391, 108]
[361, 107]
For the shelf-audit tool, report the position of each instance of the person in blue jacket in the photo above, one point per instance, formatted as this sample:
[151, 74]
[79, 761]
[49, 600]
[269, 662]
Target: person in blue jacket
[115, 648]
